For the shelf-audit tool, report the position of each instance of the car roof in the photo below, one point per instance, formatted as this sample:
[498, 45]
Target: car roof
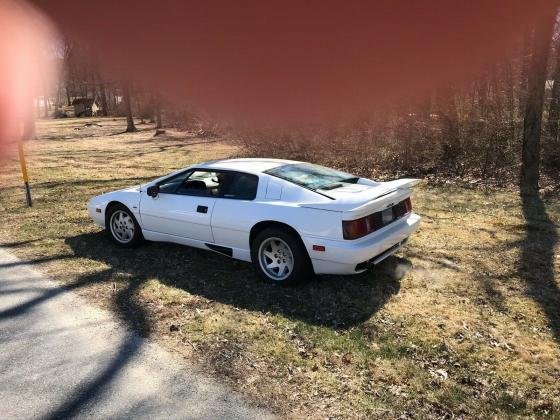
[251, 165]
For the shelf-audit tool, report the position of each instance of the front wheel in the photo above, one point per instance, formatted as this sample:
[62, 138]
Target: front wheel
[279, 257]
[123, 227]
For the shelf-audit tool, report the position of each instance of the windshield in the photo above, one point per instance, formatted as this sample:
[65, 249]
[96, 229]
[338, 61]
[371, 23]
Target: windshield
[311, 176]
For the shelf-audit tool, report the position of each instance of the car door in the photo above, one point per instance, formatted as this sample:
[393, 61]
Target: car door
[183, 206]
[235, 211]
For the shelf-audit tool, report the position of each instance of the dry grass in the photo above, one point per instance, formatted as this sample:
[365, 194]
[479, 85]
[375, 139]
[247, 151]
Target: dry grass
[464, 322]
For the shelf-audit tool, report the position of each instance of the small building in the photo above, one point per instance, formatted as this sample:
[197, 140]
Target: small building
[85, 107]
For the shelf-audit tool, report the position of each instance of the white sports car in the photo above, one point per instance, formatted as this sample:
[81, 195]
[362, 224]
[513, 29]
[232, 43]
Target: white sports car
[290, 219]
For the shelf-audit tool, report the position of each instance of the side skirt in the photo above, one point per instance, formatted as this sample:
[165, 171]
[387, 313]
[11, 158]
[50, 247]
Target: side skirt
[221, 249]
[236, 253]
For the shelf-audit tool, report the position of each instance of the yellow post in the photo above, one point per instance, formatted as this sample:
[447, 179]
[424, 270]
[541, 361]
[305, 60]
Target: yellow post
[23, 165]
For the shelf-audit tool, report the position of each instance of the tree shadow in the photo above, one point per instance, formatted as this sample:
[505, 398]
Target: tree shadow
[536, 264]
[128, 348]
[334, 301]
[138, 130]
[17, 244]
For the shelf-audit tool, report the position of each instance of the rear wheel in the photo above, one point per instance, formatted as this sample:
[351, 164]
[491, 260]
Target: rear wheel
[279, 257]
[123, 227]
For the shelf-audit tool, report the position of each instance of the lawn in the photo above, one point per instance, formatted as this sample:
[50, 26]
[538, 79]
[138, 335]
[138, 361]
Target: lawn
[463, 322]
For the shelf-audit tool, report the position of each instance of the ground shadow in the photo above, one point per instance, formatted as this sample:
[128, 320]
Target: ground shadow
[336, 302]
[536, 264]
[125, 304]
[333, 301]
[128, 348]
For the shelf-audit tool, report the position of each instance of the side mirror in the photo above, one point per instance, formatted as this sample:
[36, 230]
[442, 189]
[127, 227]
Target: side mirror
[153, 191]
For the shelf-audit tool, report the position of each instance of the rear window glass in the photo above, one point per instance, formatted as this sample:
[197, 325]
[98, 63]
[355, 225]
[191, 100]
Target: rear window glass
[311, 176]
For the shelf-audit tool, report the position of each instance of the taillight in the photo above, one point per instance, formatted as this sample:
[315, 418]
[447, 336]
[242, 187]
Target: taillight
[408, 205]
[353, 229]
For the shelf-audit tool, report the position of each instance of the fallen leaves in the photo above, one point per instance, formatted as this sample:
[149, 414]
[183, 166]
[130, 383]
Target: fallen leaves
[440, 374]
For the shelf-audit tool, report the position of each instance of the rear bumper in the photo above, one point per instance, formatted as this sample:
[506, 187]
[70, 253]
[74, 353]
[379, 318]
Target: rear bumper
[350, 257]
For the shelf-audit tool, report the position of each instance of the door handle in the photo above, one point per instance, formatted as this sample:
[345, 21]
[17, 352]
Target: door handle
[202, 209]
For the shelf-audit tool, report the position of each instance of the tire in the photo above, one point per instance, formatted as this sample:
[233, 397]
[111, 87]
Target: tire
[122, 227]
[275, 245]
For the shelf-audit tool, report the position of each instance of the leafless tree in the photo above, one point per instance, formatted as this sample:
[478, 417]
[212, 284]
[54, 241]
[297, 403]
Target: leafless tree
[530, 155]
[554, 107]
[130, 127]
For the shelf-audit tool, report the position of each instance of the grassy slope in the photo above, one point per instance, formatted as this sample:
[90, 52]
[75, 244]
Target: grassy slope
[464, 321]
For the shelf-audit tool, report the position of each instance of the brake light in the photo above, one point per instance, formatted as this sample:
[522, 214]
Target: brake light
[353, 229]
[408, 205]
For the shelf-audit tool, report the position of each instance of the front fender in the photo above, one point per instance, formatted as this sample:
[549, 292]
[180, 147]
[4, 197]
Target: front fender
[129, 197]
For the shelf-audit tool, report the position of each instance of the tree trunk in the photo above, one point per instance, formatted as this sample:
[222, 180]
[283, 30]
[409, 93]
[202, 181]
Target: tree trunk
[45, 106]
[115, 95]
[510, 105]
[45, 100]
[531, 149]
[29, 124]
[447, 110]
[103, 96]
[130, 127]
[510, 90]
[157, 106]
[38, 107]
[97, 81]
[525, 63]
[67, 89]
[496, 83]
[57, 97]
[482, 92]
[554, 107]
[159, 124]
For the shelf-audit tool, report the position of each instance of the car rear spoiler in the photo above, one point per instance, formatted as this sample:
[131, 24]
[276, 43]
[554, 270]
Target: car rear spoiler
[394, 192]
[381, 194]
[403, 183]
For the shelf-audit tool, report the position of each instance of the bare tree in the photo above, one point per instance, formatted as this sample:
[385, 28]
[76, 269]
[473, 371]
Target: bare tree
[45, 100]
[102, 94]
[554, 107]
[531, 149]
[157, 108]
[29, 124]
[130, 127]
[67, 68]
[447, 110]
[525, 66]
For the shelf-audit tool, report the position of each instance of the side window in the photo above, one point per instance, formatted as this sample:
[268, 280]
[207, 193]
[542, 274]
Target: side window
[170, 185]
[239, 185]
[235, 185]
[200, 183]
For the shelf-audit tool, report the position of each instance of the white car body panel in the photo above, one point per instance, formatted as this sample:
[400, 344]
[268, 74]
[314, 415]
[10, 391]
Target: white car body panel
[177, 215]
[130, 197]
[227, 224]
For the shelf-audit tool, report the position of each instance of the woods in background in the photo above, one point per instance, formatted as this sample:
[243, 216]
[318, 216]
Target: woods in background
[488, 129]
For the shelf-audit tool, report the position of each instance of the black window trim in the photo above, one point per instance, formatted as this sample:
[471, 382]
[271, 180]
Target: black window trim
[190, 172]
